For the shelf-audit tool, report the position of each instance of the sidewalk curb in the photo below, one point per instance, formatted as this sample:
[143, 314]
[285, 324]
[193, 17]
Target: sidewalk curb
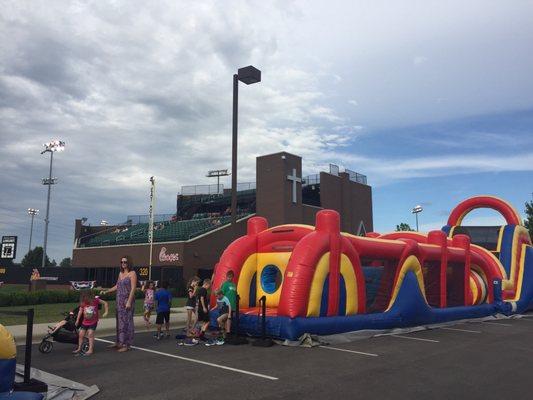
[107, 327]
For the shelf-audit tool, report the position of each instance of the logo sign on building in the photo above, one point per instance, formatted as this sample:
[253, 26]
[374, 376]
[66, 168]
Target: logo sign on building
[9, 247]
[167, 257]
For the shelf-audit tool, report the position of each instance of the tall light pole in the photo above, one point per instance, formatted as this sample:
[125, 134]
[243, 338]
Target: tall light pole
[32, 212]
[51, 147]
[151, 224]
[246, 75]
[418, 209]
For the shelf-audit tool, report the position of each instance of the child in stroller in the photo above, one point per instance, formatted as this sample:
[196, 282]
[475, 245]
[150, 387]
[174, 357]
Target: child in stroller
[65, 331]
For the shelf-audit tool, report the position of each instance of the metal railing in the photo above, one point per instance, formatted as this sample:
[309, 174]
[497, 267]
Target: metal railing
[193, 190]
[311, 180]
[356, 177]
[196, 190]
[144, 219]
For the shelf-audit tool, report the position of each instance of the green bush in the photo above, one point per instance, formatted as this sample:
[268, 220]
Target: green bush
[50, 297]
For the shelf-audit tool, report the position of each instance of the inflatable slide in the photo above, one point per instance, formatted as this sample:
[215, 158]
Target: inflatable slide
[322, 281]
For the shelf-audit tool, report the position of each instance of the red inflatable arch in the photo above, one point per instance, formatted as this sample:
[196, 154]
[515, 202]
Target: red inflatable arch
[505, 209]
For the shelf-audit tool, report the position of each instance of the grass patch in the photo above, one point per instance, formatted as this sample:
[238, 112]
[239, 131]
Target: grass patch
[13, 288]
[48, 313]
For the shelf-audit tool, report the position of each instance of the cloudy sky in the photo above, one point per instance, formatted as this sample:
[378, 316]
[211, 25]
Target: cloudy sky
[432, 100]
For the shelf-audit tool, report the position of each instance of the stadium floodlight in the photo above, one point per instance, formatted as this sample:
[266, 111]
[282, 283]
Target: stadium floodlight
[217, 173]
[247, 75]
[53, 146]
[50, 147]
[32, 212]
[418, 209]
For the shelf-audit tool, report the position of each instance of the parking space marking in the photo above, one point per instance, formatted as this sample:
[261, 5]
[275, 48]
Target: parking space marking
[495, 323]
[240, 371]
[415, 338]
[349, 351]
[460, 330]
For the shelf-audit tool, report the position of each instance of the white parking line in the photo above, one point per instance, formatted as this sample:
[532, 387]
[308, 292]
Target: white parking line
[460, 330]
[349, 351]
[241, 371]
[495, 323]
[415, 338]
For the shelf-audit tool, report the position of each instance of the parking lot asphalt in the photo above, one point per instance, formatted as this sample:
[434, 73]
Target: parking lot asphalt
[475, 360]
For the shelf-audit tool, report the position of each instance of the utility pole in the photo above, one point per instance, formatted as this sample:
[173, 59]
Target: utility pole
[247, 75]
[51, 147]
[418, 209]
[32, 212]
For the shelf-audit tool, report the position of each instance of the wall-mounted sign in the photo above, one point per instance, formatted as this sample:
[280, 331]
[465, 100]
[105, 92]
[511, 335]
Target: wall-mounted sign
[170, 257]
[9, 247]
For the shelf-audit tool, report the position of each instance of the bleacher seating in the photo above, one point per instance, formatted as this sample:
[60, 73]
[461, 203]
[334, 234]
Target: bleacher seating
[163, 231]
[195, 215]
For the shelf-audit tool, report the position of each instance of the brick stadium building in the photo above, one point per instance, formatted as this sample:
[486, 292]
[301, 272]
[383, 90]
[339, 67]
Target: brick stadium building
[191, 241]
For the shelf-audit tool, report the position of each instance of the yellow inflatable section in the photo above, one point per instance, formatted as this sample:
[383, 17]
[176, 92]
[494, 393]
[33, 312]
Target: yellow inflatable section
[8, 348]
[317, 285]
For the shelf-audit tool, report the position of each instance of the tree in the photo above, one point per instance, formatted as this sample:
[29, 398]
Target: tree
[404, 227]
[33, 258]
[528, 222]
[65, 262]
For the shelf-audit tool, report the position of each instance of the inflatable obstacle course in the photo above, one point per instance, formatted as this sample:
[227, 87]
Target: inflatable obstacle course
[322, 281]
[8, 365]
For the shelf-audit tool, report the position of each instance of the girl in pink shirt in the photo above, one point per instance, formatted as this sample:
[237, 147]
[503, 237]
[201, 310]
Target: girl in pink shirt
[89, 311]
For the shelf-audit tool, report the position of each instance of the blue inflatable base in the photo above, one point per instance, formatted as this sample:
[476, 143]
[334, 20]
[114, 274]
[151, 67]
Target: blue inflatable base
[410, 309]
[21, 396]
[7, 374]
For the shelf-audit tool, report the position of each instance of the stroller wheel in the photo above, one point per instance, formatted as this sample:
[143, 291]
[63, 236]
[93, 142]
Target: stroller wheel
[46, 347]
[85, 346]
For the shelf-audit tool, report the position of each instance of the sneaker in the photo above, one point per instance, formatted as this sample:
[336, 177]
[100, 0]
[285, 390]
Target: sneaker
[192, 342]
[211, 342]
[167, 335]
[157, 336]
[219, 342]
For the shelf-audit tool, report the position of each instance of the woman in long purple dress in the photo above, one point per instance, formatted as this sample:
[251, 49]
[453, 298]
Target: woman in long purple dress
[125, 288]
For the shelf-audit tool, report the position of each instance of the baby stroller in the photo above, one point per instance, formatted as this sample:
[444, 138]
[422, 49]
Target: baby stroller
[67, 332]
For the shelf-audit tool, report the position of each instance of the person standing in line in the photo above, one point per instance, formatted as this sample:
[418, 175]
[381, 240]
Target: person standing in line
[149, 289]
[125, 305]
[164, 302]
[190, 306]
[203, 307]
[229, 289]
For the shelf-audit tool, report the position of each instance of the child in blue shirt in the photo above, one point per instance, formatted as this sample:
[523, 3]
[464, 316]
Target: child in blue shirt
[164, 302]
[224, 313]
